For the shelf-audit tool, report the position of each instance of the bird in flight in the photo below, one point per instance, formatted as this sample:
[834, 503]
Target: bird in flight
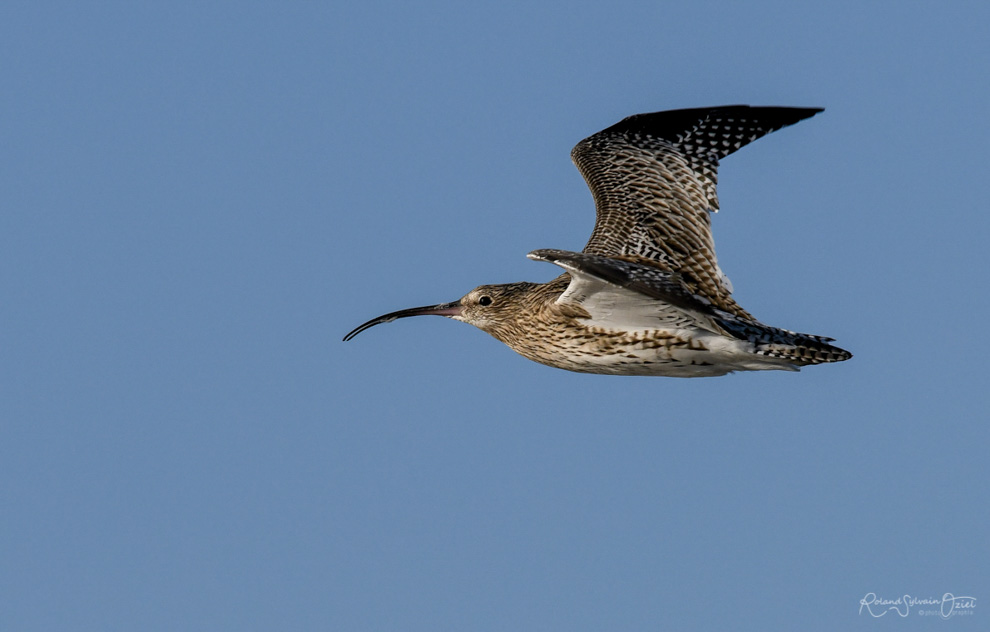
[646, 296]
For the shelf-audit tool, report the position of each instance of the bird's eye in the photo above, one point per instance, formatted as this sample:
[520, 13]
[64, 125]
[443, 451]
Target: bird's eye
[485, 301]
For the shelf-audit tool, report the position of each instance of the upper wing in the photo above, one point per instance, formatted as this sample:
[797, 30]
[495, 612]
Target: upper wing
[653, 178]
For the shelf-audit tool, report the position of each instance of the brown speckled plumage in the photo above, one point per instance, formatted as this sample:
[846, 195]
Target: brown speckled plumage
[646, 296]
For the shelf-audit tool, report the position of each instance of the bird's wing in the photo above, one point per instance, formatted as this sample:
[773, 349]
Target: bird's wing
[653, 177]
[621, 294]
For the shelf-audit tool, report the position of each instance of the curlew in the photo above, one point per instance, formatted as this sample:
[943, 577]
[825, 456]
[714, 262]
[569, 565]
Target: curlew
[646, 296]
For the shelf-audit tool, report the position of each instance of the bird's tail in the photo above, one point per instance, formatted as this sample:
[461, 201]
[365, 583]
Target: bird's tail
[789, 346]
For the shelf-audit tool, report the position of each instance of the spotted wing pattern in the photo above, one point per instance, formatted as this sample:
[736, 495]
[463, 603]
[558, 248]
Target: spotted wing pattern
[653, 177]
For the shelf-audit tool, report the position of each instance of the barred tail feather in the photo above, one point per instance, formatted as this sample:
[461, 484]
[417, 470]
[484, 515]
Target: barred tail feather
[807, 349]
[795, 348]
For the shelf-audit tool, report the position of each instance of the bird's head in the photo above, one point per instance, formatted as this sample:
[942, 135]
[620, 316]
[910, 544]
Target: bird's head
[491, 308]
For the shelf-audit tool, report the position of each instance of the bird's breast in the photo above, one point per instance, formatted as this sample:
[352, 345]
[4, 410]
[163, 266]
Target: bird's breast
[590, 349]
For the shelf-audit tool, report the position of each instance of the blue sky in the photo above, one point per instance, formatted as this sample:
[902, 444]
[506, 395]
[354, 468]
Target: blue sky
[200, 199]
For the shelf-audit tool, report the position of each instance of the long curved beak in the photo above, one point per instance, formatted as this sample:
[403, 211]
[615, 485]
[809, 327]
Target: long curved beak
[443, 309]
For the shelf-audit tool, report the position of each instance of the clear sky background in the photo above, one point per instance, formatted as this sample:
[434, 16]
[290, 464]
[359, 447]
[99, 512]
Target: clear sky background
[198, 200]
